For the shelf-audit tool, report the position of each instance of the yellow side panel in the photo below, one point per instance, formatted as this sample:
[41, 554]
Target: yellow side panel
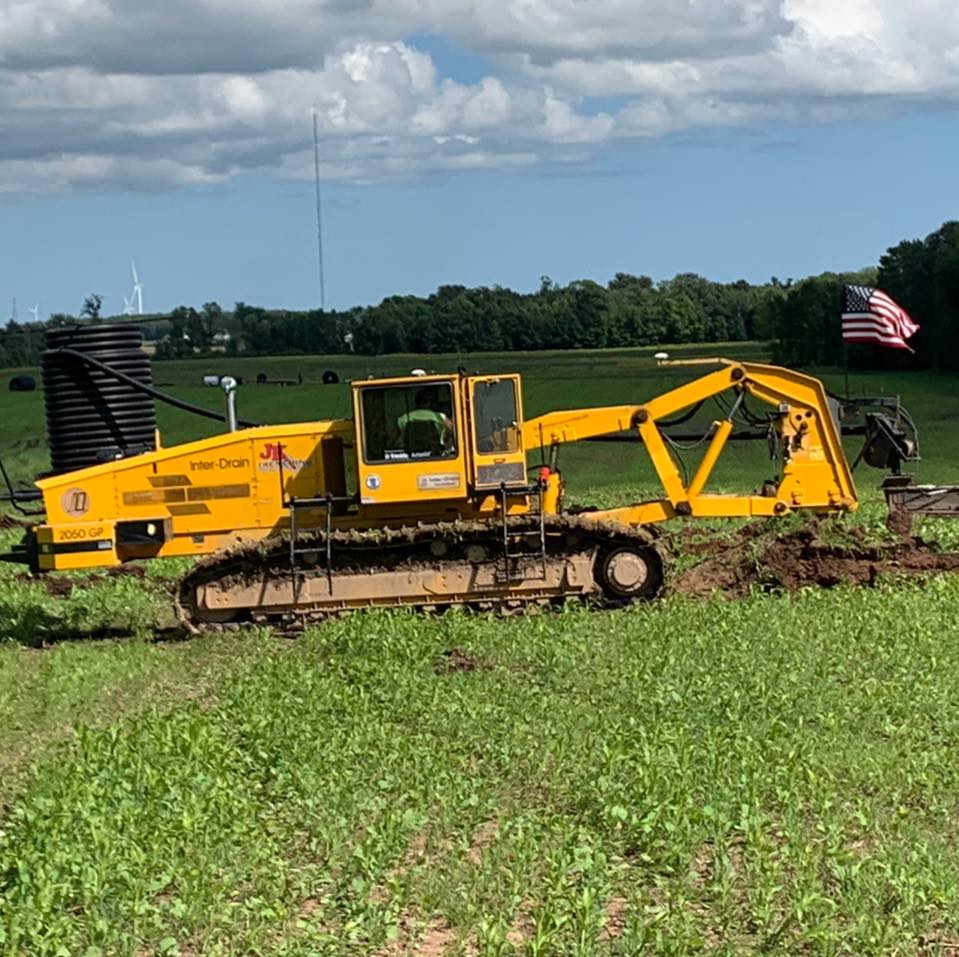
[213, 491]
[388, 482]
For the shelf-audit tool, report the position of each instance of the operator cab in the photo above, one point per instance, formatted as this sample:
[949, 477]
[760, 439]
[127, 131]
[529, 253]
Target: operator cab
[429, 437]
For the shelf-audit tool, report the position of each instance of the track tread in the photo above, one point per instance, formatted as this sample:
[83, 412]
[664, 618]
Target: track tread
[249, 560]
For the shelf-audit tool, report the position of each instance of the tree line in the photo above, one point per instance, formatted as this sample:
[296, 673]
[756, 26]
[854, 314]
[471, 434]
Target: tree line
[801, 319]
[628, 311]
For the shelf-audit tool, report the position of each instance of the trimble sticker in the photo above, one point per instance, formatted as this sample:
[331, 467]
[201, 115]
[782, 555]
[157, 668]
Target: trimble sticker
[75, 502]
[441, 480]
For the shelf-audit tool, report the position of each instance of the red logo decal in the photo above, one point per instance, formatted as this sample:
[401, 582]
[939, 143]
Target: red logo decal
[271, 452]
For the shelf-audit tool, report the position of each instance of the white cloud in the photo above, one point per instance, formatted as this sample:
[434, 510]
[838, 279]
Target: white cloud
[142, 95]
[547, 29]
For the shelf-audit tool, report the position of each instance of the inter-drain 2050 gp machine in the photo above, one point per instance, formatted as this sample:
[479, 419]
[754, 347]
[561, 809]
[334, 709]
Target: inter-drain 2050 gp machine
[424, 498]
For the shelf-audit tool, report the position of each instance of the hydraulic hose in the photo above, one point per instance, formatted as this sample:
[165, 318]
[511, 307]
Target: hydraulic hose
[149, 390]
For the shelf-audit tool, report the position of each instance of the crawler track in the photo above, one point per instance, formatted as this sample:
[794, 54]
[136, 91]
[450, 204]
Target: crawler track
[428, 567]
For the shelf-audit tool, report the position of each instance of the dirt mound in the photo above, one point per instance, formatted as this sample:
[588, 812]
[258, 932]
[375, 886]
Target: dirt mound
[454, 660]
[800, 558]
[59, 586]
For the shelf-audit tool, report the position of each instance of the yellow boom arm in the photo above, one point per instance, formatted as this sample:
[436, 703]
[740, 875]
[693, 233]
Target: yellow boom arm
[815, 474]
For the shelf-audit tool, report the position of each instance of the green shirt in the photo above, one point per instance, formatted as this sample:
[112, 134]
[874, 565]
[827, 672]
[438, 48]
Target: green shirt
[436, 419]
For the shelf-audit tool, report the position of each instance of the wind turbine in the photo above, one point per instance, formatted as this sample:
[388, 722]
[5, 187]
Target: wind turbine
[137, 290]
[128, 305]
[35, 312]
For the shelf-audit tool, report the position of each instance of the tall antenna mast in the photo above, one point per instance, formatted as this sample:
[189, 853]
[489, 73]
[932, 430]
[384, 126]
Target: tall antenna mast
[319, 211]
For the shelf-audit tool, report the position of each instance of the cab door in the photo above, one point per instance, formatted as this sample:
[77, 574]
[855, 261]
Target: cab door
[496, 431]
[411, 441]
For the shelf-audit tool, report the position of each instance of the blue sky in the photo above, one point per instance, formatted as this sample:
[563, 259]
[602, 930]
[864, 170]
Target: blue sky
[449, 164]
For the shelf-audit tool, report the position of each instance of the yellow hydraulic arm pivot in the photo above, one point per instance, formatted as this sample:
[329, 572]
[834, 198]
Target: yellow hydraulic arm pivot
[815, 475]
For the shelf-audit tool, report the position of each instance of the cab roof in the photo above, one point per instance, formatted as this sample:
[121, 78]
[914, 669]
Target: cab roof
[428, 378]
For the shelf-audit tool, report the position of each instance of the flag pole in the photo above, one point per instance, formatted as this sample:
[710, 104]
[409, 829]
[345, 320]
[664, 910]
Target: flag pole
[845, 345]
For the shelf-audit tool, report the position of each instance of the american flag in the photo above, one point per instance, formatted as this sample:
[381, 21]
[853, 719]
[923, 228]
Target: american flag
[869, 315]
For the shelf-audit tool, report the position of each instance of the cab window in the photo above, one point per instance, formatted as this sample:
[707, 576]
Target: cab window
[494, 416]
[406, 422]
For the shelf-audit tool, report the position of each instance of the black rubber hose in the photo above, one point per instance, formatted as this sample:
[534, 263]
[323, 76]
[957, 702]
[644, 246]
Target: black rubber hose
[149, 390]
[680, 419]
[16, 496]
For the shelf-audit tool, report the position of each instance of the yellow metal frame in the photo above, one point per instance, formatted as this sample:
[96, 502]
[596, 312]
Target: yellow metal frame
[816, 476]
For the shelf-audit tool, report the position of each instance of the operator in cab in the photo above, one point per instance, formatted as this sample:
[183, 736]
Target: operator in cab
[425, 428]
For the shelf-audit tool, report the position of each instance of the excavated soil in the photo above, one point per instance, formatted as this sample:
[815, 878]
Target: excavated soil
[58, 586]
[454, 660]
[757, 556]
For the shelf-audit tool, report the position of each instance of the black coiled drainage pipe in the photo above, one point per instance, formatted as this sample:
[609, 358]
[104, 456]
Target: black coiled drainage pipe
[93, 416]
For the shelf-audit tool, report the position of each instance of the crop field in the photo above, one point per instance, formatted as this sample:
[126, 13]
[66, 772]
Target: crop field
[750, 770]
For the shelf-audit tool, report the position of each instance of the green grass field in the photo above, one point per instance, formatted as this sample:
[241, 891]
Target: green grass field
[776, 774]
